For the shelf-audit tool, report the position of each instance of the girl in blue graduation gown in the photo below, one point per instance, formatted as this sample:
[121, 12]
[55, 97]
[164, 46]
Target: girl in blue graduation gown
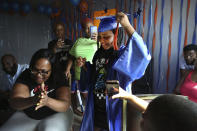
[125, 65]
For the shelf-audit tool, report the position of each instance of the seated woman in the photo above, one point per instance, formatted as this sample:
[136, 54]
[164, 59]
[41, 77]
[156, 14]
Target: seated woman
[188, 83]
[45, 101]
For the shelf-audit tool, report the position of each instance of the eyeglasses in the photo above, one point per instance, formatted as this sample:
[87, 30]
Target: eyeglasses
[41, 72]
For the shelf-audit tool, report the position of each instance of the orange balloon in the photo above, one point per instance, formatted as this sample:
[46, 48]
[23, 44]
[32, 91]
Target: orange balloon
[83, 6]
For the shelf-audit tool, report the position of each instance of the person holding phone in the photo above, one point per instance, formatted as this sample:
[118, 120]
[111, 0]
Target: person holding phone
[124, 65]
[84, 49]
[60, 50]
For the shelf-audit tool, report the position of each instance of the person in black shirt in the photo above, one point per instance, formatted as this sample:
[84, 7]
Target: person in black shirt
[44, 99]
[60, 49]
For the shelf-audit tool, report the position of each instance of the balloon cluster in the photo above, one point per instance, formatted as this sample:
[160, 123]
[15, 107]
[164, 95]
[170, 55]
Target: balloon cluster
[75, 2]
[15, 7]
[25, 8]
[48, 10]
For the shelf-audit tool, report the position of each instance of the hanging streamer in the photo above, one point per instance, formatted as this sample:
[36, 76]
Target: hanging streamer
[194, 34]
[126, 10]
[121, 5]
[117, 6]
[67, 24]
[170, 45]
[130, 11]
[72, 28]
[135, 18]
[76, 23]
[161, 38]
[188, 7]
[179, 41]
[144, 18]
[139, 17]
[154, 34]
[149, 23]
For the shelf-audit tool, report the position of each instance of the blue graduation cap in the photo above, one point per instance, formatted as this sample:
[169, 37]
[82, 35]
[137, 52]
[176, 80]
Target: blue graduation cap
[107, 23]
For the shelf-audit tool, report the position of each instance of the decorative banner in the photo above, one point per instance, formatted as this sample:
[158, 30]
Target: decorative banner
[161, 38]
[169, 46]
[149, 23]
[154, 34]
[144, 18]
[179, 41]
[194, 34]
[188, 7]
[103, 13]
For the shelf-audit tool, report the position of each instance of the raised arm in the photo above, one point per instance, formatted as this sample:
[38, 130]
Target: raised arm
[137, 102]
[178, 86]
[124, 21]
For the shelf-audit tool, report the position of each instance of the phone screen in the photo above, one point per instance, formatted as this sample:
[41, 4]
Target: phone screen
[93, 29]
[112, 87]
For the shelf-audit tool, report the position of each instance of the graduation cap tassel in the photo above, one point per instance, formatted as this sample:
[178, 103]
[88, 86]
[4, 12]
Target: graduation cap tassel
[115, 38]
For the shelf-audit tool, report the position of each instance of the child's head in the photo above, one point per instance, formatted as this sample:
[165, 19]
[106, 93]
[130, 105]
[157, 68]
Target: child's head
[106, 31]
[170, 113]
[85, 24]
[59, 29]
[190, 54]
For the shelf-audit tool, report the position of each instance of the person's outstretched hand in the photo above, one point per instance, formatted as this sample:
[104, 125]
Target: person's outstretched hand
[67, 74]
[94, 36]
[122, 19]
[122, 94]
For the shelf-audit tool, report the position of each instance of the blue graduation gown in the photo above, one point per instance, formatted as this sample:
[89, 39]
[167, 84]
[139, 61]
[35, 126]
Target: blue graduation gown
[131, 64]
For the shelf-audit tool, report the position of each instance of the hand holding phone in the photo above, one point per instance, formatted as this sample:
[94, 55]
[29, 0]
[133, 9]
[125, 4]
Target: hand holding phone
[112, 87]
[93, 32]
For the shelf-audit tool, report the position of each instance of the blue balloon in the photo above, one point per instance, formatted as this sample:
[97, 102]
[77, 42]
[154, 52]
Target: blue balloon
[49, 10]
[26, 8]
[5, 6]
[55, 10]
[15, 7]
[75, 2]
[41, 8]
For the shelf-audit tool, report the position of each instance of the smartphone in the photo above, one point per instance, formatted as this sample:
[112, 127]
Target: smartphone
[93, 29]
[112, 87]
